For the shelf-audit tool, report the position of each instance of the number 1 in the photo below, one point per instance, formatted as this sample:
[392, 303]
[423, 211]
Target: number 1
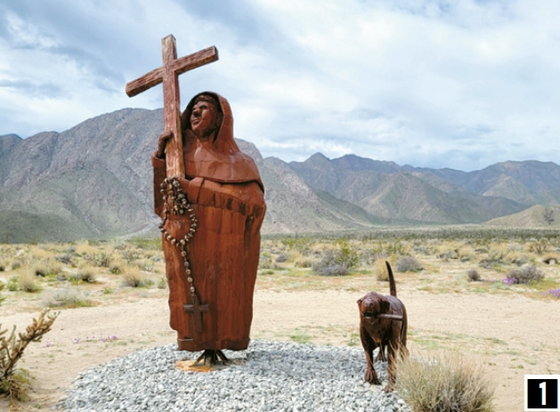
[542, 385]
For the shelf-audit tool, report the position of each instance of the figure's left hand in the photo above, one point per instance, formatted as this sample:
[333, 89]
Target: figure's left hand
[162, 142]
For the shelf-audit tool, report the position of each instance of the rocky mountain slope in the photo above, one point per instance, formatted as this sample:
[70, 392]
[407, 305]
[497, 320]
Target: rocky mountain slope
[94, 181]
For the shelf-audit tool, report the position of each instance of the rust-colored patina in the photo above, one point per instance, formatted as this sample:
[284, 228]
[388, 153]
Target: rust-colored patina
[225, 191]
[211, 200]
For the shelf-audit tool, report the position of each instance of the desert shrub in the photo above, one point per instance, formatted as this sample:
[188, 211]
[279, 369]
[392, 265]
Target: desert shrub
[145, 265]
[130, 255]
[331, 270]
[48, 267]
[14, 383]
[116, 268]
[301, 244]
[494, 257]
[539, 247]
[380, 270]
[302, 262]
[444, 383]
[100, 259]
[2, 285]
[473, 275]
[336, 262]
[265, 263]
[67, 259]
[526, 274]
[282, 258]
[2, 266]
[17, 264]
[134, 278]
[13, 284]
[162, 283]
[28, 283]
[85, 274]
[68, 297]
[407, 264]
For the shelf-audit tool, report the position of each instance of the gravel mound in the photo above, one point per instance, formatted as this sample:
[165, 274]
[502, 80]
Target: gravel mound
[268, 376]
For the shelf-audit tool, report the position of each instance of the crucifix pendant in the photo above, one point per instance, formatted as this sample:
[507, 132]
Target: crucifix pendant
[196, 309]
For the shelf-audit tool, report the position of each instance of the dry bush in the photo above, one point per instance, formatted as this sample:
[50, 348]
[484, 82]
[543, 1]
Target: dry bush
[85, 248]
[27, 282]
[444, 383]
[85, 274]
[116, 268]
[100, 259]
[69, 297]
[134, 278]
[539, 247]
[408, 264]
[303, 262]
[380, 270]
[48, 267]
[526, 274]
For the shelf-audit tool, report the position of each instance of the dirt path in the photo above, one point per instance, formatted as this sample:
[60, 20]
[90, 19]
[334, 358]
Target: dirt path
[510, 334]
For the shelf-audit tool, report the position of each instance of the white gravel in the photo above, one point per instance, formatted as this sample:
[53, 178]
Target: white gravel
[268, 376]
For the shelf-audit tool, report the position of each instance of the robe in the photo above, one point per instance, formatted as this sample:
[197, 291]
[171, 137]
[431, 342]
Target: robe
[225, 191]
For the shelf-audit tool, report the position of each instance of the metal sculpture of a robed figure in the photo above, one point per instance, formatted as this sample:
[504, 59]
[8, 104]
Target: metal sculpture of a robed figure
[210, 198]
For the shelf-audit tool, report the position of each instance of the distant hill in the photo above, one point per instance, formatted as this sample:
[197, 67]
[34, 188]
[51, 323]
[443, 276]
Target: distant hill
[535, 216]
[95, 181]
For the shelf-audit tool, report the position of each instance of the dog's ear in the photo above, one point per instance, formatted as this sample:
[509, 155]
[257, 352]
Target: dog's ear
[360, 301]
[384, 306]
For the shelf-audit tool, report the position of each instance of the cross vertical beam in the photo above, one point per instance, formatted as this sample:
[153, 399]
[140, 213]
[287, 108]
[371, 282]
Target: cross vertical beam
[168, 74]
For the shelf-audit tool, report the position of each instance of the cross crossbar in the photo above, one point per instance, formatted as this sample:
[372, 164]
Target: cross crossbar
[168, 74]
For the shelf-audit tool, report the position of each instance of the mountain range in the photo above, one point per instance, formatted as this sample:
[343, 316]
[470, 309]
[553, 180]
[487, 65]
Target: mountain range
[95, 181]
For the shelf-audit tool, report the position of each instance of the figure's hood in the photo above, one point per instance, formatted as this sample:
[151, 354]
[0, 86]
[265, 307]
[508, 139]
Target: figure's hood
[224, 162]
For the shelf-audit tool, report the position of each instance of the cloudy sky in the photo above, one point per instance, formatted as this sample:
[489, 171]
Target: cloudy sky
[460, 84]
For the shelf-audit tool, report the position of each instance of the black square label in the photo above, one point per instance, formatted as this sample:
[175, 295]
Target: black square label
[541, 393]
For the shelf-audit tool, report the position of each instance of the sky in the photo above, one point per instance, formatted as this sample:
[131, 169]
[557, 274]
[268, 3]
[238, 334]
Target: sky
[442, 84]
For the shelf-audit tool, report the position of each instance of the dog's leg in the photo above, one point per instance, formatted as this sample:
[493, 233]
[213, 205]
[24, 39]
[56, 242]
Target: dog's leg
[369, 346]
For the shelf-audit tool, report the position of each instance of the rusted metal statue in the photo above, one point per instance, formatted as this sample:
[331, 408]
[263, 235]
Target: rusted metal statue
[211, 200]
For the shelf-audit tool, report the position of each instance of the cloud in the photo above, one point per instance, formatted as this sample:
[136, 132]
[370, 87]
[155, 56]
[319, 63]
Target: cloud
[459, 84]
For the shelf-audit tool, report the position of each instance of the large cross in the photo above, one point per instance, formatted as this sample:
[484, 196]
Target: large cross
[168, 74]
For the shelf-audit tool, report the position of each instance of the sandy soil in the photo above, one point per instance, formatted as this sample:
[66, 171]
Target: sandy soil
[512, 335]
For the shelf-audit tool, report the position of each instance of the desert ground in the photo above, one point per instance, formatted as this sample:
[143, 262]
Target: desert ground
[512, 330]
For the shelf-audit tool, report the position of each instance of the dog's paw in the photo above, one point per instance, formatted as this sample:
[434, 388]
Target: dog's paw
[389, 388]
[371, 377]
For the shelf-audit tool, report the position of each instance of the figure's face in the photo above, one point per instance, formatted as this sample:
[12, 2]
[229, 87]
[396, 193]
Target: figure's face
[203, 119]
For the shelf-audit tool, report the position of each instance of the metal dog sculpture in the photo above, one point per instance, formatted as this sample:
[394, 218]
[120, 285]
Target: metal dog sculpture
[383, 324]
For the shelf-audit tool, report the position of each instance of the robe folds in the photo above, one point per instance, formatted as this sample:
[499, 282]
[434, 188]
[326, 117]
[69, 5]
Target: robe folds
[224, 189]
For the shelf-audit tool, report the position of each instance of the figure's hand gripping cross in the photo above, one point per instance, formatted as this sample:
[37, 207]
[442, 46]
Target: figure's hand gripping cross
[168, 74]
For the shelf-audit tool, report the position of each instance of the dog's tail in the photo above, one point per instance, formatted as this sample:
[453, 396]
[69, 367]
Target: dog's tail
[392, 286]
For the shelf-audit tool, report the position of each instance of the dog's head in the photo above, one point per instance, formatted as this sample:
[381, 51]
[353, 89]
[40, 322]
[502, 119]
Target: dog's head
[372, 305]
